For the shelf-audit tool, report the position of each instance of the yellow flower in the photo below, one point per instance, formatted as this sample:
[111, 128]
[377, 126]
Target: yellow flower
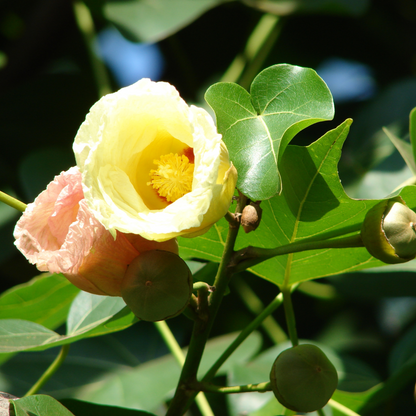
[152, 165]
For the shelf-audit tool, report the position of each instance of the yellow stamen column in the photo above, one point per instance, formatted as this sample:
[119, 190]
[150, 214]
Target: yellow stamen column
[173, 177]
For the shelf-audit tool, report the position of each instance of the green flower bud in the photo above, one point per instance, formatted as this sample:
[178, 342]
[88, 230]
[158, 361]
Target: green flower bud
[157, 285]
[388, 231]
[303, 379]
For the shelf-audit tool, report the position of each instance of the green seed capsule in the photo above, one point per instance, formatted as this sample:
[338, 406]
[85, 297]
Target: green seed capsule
[157, 285]
[303, 379]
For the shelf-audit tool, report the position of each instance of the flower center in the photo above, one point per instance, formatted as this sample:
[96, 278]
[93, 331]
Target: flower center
[173, 177]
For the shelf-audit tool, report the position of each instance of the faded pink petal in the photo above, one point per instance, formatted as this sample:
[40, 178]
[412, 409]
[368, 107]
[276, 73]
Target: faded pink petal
[59, 234]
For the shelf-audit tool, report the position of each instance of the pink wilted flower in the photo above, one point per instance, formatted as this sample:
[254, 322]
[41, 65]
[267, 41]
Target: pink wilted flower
[59, 234]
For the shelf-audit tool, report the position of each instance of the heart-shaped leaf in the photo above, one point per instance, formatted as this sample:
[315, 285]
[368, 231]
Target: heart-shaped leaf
[257, 127]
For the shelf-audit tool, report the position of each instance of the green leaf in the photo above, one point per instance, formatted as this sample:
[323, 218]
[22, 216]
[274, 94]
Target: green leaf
[404, 351]
[81, 408]
[88, 311]
[313, 205]
[257, 127]
[404, 148]
[353, 401]
[362, 155]
[152, 21]
[19, 335]
[45, 299]
[208, 246]
[90, 315]
[271, 408]
[364, 401]
[39, 405]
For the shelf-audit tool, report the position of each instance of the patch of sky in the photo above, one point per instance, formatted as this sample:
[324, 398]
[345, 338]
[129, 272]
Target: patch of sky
[128, 61]
[348, 81]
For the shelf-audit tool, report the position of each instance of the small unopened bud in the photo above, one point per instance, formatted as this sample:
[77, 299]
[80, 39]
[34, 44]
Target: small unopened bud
[388, 231]
[157, 285]
[251, 216]
[303, 379]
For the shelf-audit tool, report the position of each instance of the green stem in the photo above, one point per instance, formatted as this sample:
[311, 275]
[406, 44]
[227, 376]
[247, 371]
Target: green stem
[341, 408]
[177, 353]
[86, 26]
[290, 315]
[240, 339]
[201, 328]
[322, 291]
[246, 65]
[243, 336]
[12, 202]
[250, 256]
[50, 371]
[170, 341]
[320, 412]
[260, 387]
[256, 307]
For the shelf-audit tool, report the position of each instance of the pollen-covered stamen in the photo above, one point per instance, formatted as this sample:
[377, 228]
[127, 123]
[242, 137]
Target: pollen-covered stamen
[173, 177]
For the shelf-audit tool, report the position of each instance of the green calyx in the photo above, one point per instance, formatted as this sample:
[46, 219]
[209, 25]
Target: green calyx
[157, 285]
[388, 231]
[303, 379]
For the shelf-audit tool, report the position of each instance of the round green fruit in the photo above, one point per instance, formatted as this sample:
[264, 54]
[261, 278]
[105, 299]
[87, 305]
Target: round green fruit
[157, 285]
[303, 379]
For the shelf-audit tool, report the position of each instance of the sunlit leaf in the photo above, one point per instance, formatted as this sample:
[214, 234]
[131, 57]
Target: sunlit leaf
[45, 299]
[257, 127]
[88, 311]
[90, 315]
[313, 205]
[19, 335]
[152, 21]
[39, 405]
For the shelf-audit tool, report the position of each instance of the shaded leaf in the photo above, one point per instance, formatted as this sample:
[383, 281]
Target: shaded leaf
[362, 155]
[81, 408]
[404, 351]
[257, 127]
[404, 148]
[412, 129]
[120, 387]
[364, 401]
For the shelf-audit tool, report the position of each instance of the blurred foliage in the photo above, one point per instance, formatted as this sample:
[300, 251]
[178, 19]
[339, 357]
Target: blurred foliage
[48, 81]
